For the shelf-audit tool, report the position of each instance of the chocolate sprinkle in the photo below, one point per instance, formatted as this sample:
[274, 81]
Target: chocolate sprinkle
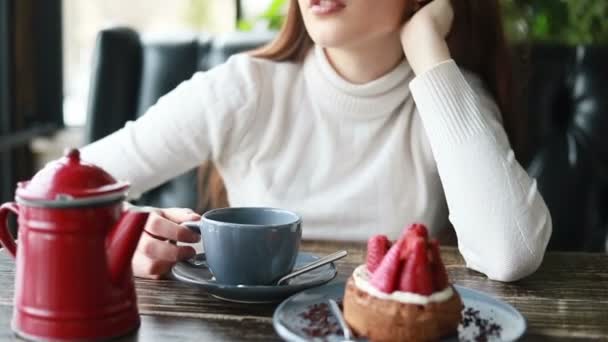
[486, 328]
[321, 323]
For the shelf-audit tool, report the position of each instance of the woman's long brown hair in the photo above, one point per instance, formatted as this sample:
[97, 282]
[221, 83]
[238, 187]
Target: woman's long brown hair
[477, 43]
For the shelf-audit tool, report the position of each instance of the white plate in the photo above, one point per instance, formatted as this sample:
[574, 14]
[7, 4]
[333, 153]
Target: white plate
[292, 326]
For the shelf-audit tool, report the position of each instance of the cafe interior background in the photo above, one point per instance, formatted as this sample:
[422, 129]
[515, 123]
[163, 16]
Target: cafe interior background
[73, 71]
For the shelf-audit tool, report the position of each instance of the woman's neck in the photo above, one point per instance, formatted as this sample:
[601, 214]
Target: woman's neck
[368, 61]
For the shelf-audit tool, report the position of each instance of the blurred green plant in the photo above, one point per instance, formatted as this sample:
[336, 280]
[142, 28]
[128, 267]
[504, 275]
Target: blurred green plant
[570, 22]
[272, 17]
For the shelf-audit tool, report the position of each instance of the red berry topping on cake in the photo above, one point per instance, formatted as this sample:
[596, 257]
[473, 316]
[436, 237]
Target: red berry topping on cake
[417, 229]
[416, 275]
[377, 247]
[387, 274]
[440, 276]
[410, 235]
[412, 264]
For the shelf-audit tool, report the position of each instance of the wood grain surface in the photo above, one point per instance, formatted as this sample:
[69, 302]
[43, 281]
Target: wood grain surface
[565, 300]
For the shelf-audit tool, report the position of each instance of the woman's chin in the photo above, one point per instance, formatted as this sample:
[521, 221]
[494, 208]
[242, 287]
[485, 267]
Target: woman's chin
[330, 40]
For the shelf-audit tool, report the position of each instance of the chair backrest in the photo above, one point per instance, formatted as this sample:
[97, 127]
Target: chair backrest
[568, 126]
[115, 82]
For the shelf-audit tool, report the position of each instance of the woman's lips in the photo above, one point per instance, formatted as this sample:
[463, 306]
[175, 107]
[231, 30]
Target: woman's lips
[324, 7]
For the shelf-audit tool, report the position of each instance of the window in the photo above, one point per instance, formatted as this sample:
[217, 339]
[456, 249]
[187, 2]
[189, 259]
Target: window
[82, 20]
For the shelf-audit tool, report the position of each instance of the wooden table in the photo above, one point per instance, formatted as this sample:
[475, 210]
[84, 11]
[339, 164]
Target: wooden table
[565, 300]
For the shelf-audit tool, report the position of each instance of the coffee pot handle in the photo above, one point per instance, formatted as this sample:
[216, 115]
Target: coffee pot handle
[5, 237]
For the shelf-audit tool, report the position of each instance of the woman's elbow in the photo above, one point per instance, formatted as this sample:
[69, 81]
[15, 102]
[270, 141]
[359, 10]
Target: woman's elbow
[517, 263]
[515, 268]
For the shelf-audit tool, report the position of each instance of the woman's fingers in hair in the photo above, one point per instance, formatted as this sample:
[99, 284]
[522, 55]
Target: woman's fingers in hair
[440, 13]
[423, 37]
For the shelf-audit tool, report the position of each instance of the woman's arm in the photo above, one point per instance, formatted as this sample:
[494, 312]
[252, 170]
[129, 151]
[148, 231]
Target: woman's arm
[502, 223]
[202, 118]
[194, 122]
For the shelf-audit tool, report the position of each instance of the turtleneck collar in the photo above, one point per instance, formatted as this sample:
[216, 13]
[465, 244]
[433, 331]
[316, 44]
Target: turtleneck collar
[379, 97]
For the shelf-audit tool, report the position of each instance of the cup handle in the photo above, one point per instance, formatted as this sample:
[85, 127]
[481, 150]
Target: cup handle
[5, 237]
[193, 226]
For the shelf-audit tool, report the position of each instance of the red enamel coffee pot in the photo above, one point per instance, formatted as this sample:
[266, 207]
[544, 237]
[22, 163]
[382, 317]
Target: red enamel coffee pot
[73, 277]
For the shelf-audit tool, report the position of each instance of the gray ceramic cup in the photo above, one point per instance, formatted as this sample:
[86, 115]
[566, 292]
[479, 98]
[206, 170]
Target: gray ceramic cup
[248, 245]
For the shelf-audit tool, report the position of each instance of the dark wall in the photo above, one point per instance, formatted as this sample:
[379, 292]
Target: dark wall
[37, 52]
[31, 83]
[5, 97]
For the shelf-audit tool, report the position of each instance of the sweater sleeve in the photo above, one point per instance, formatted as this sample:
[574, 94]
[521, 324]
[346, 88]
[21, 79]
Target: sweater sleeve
[501, 221]
[201, 119]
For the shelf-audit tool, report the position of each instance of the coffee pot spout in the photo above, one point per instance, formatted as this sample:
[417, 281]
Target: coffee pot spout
[122, 241]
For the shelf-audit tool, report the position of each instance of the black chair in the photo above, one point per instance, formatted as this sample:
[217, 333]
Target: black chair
[568, 123]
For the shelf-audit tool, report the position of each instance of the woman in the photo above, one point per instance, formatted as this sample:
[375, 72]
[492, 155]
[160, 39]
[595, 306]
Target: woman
[358, 118]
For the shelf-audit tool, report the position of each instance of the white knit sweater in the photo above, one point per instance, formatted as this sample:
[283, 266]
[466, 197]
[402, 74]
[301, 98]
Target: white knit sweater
[353, 160]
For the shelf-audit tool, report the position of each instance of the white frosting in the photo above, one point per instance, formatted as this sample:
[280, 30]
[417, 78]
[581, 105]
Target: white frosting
[361, 277]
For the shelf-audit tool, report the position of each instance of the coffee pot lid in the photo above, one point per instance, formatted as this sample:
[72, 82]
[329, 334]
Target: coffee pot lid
[69, 181]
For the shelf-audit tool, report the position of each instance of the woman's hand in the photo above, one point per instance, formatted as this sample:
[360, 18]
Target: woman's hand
[157, 252]
[423, 37]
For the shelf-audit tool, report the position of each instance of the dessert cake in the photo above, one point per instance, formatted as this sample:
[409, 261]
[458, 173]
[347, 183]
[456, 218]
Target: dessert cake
[402, 293]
